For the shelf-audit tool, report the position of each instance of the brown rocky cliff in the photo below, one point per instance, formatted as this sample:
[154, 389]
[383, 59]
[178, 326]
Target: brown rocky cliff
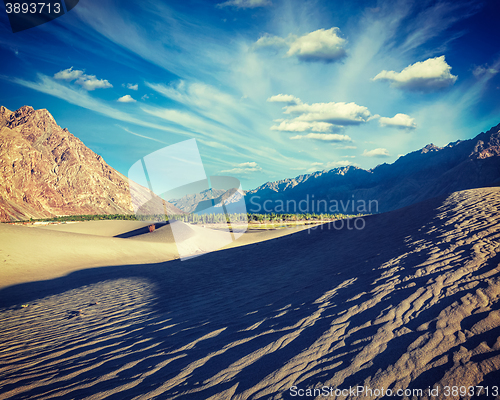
[46, 171]
[4, 116]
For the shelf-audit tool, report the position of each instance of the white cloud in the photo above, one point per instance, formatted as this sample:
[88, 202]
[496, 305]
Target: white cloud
[284, 98]
[271, 41]
[251, 164]
[145, 97]
[244, 168]
[320, 45]
[302, 126]
[126, 99]
[333, 113]
[132, 87]
[484, 69]
[322, 118]
[401, 121]
[90, 82]
[326, 137]
[428, 75]
[245, 3]
[379, 153]
[68, 74]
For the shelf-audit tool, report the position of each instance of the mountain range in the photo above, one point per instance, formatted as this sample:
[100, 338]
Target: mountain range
[429, 172]
[211, 201]
[196, 201]
[45, 171]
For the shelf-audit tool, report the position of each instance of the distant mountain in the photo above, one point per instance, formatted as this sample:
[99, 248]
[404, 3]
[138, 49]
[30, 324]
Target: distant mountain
[191, 202]
[211, 201]
[45, 171]
[420, 175]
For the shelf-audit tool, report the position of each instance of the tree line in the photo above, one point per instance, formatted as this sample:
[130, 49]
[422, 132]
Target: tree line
[203, 218]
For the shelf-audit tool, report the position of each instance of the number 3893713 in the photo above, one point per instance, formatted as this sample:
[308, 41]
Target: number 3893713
[33, 8]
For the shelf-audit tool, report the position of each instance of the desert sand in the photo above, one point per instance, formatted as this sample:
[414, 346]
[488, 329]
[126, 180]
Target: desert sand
[409, 302]
[42, 253]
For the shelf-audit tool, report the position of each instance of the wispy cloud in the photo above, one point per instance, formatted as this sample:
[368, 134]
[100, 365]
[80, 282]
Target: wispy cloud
[81, 98]
[244, 168]
[328, 137]
[484, 69]
[245, 3]
[142, 136]
[208, 131]
[268, 40]
[205, 101]
[284, 98]
[302, 126]
[433, 21]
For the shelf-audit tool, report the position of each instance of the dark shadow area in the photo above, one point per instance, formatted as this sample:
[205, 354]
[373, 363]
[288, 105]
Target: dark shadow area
[140, 231]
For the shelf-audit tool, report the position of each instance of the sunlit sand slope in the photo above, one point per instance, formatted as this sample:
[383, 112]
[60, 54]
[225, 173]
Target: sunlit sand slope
[99, 228]
[410, 301]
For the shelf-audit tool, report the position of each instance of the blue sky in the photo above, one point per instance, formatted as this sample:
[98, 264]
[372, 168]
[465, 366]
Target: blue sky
[270, 89]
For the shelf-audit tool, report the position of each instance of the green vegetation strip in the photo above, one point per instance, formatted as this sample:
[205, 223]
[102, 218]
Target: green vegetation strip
[204, 218]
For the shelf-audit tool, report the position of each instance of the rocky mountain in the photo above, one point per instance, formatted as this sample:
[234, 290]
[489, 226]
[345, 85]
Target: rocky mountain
[420, 175]
[45, 171]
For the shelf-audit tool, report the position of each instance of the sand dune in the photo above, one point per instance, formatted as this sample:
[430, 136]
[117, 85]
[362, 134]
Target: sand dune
[47, 252]
[39, 254]
[98, 228]
[409, 302]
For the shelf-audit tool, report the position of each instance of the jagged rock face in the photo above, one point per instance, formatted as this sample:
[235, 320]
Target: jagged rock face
[4, 116]
[46, 171]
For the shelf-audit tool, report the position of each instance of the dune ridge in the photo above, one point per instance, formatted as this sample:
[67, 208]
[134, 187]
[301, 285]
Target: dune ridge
[410, 301]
